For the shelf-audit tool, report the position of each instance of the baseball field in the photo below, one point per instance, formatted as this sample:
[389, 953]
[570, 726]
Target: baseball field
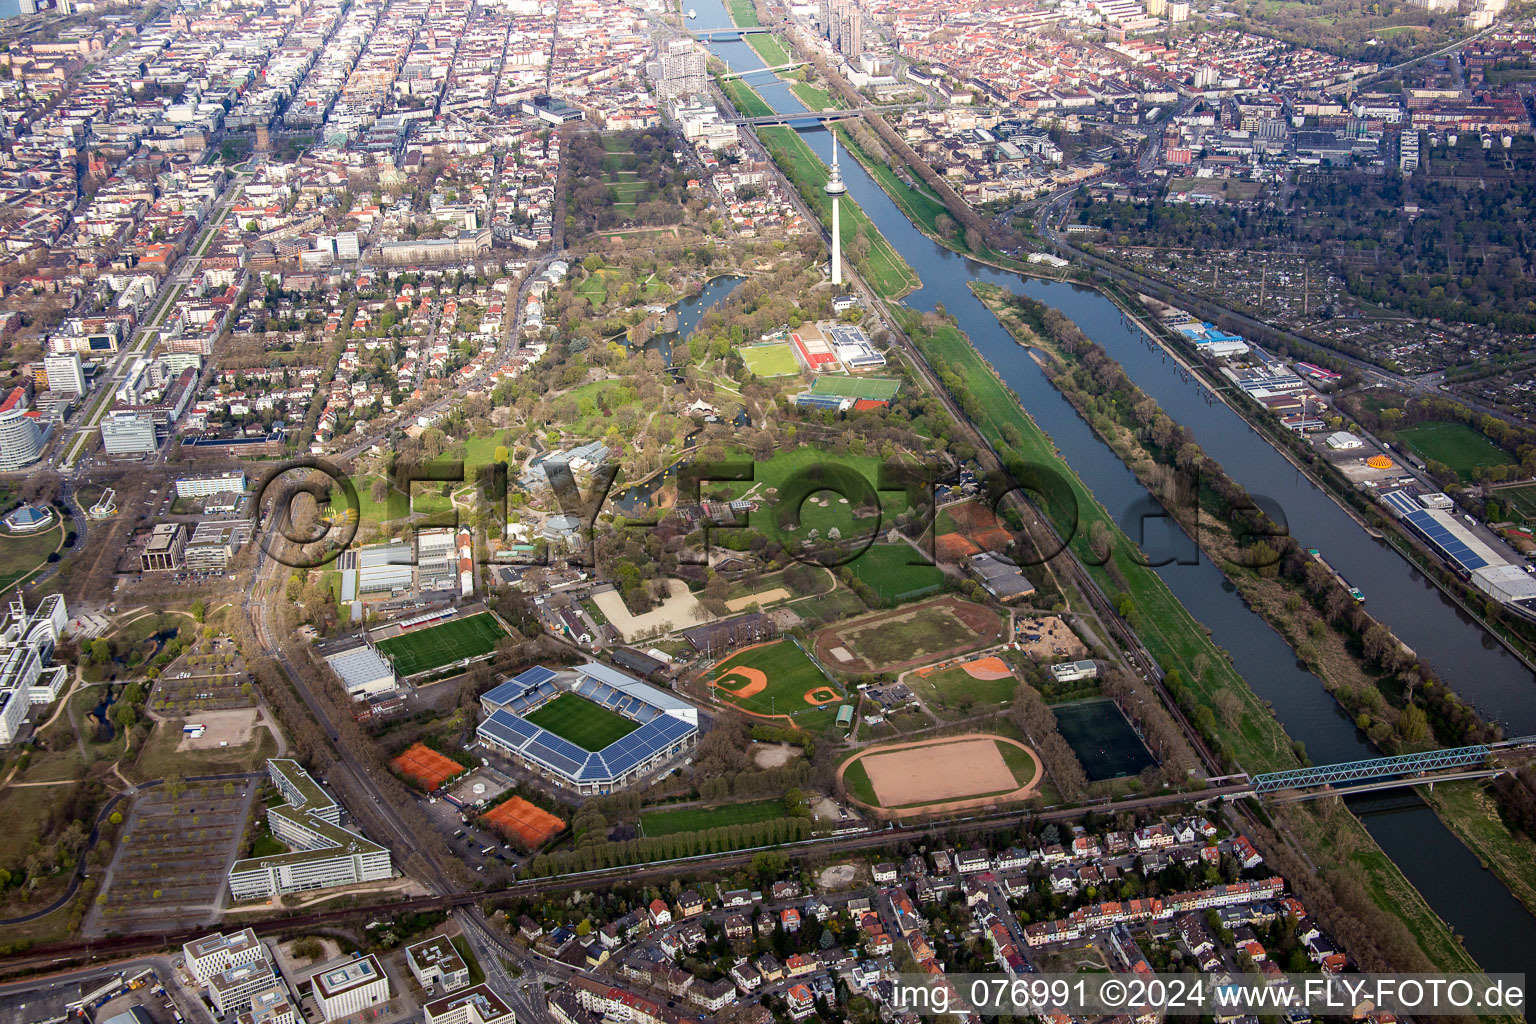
[777, 679]
[582, 722]
[948, 774]
[421, 650]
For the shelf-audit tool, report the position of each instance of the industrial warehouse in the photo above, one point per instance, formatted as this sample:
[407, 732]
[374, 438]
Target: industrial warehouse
[593, 729]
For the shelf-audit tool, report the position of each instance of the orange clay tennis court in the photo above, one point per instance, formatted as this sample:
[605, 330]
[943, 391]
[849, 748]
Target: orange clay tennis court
[518, 819]
[429, 768]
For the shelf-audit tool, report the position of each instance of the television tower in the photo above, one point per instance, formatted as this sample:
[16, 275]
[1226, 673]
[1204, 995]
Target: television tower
[836, 189]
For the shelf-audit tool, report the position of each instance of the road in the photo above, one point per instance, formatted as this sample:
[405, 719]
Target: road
[72, 446]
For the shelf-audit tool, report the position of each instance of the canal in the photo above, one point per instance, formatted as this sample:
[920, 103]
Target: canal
[1497, 930]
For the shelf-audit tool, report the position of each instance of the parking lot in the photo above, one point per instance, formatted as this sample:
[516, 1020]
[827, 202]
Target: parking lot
[466, 840]
[172, 864]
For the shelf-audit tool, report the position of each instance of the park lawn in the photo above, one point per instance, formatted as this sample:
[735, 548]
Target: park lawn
[948, 689]
[24, 813]
[743, 13]
[435, 646]
[593, 289]
[926, 630]
[789, 674]
[886, 271]
[697, 819]
[771, 48]
[1459, 446]
[584, 723]
[159, 756]
[896, 572]
[370, 513]
[770, 360]
[746, 100]
[840, 603]
[815, 97]
[478, 452]
[22, 555]
[793, 465]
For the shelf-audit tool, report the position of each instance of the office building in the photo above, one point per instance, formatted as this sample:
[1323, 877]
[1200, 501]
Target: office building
[21, 436]
[217, 953]
[233, 991]
[163, 551]
[478, 1005]
[350, 988]
[346, 245]
[65, 373]
[208, 486]
[128, 433]
[27, 640]
[436, 963]
[321, 854]
[214, 543]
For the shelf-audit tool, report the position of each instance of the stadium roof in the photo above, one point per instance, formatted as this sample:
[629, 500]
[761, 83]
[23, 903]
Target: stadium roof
[513, 687]
[629, 684]
[676, 720]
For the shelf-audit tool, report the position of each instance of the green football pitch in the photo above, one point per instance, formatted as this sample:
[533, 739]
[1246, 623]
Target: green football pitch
[876, 389]
[770, 360]
[434, 646]
[583, 723]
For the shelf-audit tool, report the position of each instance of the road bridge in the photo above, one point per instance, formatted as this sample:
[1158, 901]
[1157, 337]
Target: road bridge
[717, 34]
[759, 71]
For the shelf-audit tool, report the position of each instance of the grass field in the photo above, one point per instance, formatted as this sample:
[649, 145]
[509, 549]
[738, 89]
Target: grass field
[886, 569]
[955, 689]
[696, 819]
[435, 646]
[746, 100]
[1521, 502]
[22, 555]
[927, 630]
[777, 679]
[815, 97]
[1457, 445]
[771, 48]
[770, 360]
[878, 389]
[884, 268]
[583, 723]
[743, 13]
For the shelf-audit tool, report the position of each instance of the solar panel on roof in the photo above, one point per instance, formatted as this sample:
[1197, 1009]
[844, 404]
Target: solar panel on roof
[508, 729]
[534, 676]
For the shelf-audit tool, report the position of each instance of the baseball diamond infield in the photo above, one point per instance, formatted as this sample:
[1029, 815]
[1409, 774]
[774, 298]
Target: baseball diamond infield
[947, 774]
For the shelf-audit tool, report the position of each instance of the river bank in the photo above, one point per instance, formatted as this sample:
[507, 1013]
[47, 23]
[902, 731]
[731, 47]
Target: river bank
[1499, 930]
[1379, 702]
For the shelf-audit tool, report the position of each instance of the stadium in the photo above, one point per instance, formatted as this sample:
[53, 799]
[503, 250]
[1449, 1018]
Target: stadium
[593, 728]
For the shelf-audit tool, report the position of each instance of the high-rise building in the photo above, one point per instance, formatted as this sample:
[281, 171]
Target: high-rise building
[128, 433]
[836, 189]
[21, 438]
[682, 70]
[65, 373]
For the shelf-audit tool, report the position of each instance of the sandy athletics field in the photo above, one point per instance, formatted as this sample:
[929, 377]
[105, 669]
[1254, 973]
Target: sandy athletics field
[925, 775]
[679, 611]
[919, 634]
[767, 597]
[990, 667]
[946, 774]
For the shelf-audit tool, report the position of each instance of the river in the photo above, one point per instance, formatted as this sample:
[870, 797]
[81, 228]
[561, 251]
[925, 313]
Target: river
[1497, 930]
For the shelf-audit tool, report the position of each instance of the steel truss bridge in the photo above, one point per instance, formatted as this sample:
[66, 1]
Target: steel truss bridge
[1373, 768]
